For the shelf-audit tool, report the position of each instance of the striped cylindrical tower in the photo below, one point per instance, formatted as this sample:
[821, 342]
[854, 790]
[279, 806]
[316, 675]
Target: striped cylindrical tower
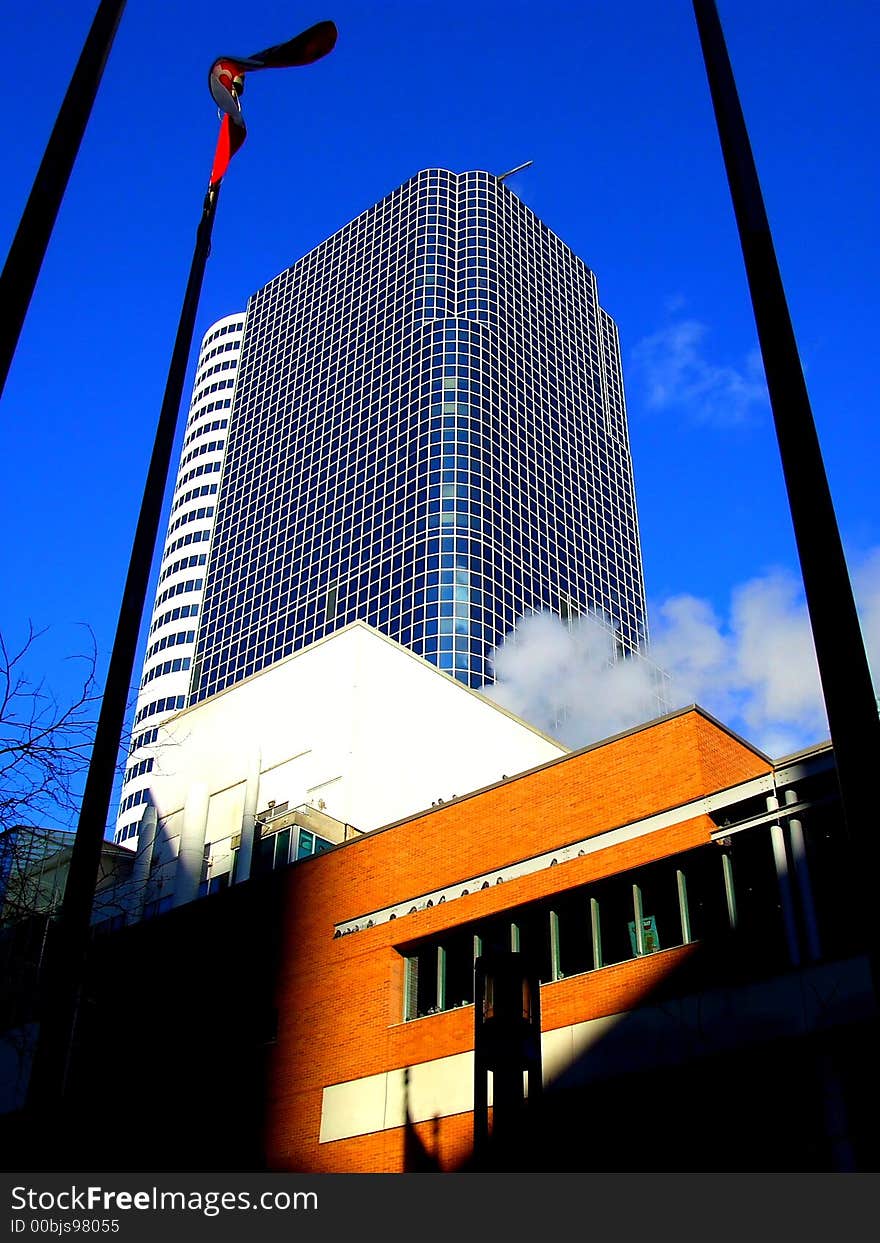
[165, 677]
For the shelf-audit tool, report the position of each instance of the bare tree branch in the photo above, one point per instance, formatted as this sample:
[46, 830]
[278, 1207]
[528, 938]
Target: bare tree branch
[44, 743]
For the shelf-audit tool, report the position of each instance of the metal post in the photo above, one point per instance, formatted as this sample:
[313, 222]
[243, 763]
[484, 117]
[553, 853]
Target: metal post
[31, 240]
[63, 982]
[683, 909]
[780, 860]
[802, 876]
[843, 667]
[596, 934]
[66, 964]
[729, 890]
[638, 916]
[507, 1045]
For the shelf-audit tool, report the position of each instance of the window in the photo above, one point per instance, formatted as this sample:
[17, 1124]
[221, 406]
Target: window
[573, 937]
[111, 924]
[214, 884]
[273, 851]
[703, 895]
[286, 845]
[158, 906]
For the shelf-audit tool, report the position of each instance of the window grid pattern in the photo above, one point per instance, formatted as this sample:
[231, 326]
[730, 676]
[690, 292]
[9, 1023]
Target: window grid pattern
[428, 434]
[175, 577]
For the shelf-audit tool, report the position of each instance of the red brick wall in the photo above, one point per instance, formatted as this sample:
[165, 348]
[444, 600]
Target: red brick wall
[340, 1000]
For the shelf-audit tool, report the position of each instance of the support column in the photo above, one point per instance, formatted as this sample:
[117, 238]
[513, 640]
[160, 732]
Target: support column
[140, 873]
[638, 917]
[802, 877]
[683, 909]
[729, 891]
[244, 863]
[191, 850]
[441, 978]
[777, 836]
[555, 969]
[596, 934]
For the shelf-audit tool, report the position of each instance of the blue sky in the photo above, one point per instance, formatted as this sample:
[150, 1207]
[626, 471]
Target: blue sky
[609, 101]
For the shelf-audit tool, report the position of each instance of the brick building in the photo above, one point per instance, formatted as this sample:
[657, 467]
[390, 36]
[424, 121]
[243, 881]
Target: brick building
[705, 1001]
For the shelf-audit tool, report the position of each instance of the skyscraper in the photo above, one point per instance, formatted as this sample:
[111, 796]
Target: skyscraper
[420, 425]
[171, 640]
[428, 433]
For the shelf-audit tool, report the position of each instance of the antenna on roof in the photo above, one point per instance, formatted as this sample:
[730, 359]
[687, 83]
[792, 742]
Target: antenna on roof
[518, 169]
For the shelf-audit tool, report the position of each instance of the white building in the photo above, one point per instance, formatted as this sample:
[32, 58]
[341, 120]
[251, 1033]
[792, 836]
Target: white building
[350, 734]
[165, 676]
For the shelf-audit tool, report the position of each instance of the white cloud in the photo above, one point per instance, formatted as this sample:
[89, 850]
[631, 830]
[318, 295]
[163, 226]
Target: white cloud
[866, 586]
[754, 668]
[775, 659]
[566, 681]
[672, 369]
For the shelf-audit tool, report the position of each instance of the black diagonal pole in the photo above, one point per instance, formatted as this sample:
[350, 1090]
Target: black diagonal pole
[29, 245]
[63, 979]
[69, 945]
[840, 651]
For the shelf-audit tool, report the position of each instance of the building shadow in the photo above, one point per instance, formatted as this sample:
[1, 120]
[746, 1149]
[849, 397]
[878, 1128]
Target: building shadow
[419, 1157]
[714, 1070]
[178, 1022]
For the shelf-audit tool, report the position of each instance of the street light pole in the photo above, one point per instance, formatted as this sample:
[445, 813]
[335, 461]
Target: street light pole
[70, 938]
[847, 689]
[68, 948]
[31, 239]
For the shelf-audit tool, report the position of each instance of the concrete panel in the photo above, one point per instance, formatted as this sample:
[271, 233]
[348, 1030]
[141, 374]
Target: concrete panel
[557, 1052]
[442, 1087]
[287, 782]
[590, 1049]
[355, 1108]
[225, 811]
[438, 1088]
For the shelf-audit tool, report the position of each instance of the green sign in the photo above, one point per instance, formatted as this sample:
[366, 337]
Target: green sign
[650, 940]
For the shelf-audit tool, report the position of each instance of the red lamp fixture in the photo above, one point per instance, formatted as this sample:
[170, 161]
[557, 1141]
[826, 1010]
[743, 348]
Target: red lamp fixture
[226, 83]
